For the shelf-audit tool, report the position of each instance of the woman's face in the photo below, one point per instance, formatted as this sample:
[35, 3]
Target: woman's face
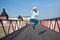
[35, 9]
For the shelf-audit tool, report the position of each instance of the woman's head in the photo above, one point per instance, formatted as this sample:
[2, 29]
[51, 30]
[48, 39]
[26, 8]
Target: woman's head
[35, 9]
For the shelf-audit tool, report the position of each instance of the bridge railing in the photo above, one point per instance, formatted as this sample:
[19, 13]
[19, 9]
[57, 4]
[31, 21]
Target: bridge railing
[9, 26]
[53, 24]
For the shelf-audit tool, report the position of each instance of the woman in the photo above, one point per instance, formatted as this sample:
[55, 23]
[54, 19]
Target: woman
[34, 16]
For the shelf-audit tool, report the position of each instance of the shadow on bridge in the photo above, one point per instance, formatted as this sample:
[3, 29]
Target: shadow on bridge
[42, 32]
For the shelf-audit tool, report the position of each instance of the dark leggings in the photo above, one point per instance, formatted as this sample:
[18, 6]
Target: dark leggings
[35, 21]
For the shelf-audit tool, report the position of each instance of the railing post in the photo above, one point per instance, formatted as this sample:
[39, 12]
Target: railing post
[3, 27]
[12, 25]
[26, 23]
[58, 24]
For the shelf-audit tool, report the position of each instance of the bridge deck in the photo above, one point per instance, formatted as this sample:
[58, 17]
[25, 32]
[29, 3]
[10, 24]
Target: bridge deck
[40, 33]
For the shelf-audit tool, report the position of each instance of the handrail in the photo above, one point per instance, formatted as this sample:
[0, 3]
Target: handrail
[53, 24]
[12, 24]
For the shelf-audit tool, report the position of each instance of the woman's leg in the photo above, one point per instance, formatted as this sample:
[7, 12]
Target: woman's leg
[32, 21]
[35, 22]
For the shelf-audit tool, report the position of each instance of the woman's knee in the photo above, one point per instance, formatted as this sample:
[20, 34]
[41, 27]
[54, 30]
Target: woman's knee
[36, 22]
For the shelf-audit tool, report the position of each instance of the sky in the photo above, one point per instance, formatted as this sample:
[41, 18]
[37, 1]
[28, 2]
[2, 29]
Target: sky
[47, 8]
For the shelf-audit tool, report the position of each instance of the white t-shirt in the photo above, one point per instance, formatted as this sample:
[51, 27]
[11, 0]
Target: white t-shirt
[34, 15]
